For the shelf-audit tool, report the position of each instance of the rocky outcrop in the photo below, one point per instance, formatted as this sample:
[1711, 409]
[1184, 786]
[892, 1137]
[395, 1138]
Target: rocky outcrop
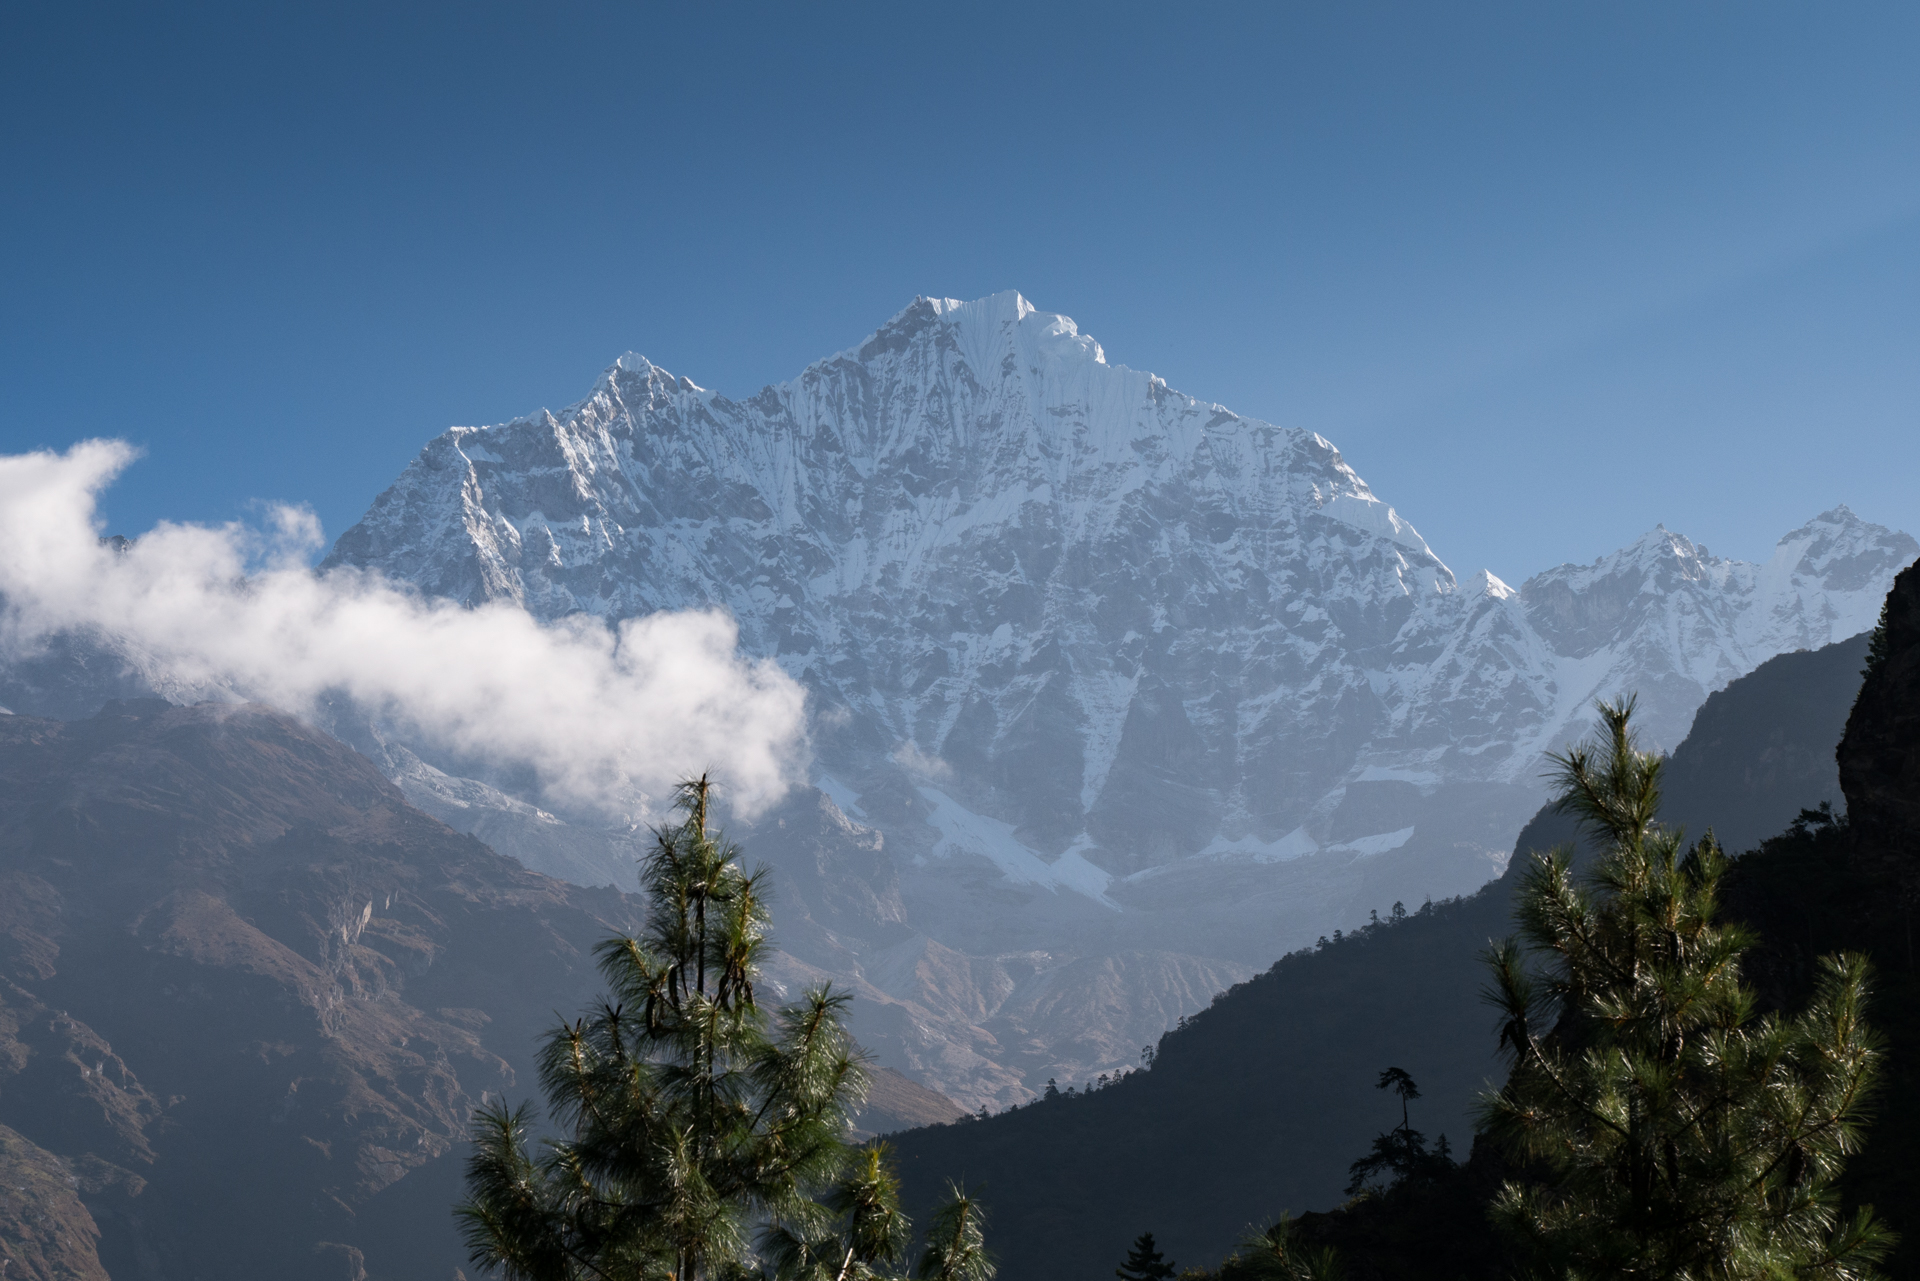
[1880, 755]
[46, 1233]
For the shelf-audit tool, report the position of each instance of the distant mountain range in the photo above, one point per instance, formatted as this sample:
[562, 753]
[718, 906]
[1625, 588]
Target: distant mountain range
[1128, 684]
[1118, 697]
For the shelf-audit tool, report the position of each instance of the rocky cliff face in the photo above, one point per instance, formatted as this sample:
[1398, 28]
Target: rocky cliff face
[1880, 755]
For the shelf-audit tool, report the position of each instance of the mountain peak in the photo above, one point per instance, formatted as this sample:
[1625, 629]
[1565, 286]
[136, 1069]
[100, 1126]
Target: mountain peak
[1839, 547]
[1008, 304]
[1659, 543]
[985, 331]
[971, 533]
[1487, 583]
[639, 366]
[1842, 519]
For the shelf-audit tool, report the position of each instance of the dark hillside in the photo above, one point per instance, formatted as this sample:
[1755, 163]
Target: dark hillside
[1809, 893]
[1762, 749]
[1821, 888]
[1260, 1102]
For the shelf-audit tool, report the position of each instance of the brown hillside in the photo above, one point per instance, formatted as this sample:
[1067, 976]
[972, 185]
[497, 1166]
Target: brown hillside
[250, 996]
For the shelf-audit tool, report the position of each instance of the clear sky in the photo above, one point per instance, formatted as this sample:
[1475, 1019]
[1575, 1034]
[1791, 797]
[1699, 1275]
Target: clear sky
[1547, 273]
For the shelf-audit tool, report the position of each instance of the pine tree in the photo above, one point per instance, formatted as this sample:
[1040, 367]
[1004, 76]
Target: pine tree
[689, 1117]
[1275, 1254]
[1677, 1134]
[956, 1247]
[1144, 1262]
[856, 1233]
[1401, 1151]
[1877, 641]
[859, 1233]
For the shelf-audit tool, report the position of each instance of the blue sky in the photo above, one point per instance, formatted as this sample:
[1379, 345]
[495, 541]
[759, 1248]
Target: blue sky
[1547, 274]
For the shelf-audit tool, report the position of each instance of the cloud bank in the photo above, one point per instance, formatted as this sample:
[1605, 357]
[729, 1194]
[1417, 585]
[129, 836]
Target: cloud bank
[606, 717]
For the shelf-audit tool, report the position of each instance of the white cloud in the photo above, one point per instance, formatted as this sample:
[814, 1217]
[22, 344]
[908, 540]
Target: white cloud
[604, 716]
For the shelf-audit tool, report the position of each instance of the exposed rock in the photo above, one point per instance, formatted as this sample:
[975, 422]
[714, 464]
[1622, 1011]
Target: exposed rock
[46, 1233]
[1880, 755]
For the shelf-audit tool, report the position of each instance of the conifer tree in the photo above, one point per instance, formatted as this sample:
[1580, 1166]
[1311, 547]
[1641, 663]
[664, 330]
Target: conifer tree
[1677, 1134]
[859, 1234]
[1402, 1151]
[691, 1119]
[956, 1247]
[1877, 641]
[1274, 1253]
[1144, 1262]
[856, 1233]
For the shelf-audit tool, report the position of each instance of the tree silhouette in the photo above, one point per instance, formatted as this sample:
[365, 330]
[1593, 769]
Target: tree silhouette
[1144, 1262]
[1401, 1151]
[1400, 1083]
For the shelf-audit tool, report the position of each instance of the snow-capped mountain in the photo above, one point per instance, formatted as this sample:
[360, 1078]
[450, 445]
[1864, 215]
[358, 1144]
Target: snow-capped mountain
[1117, 694]
[1117, 625]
